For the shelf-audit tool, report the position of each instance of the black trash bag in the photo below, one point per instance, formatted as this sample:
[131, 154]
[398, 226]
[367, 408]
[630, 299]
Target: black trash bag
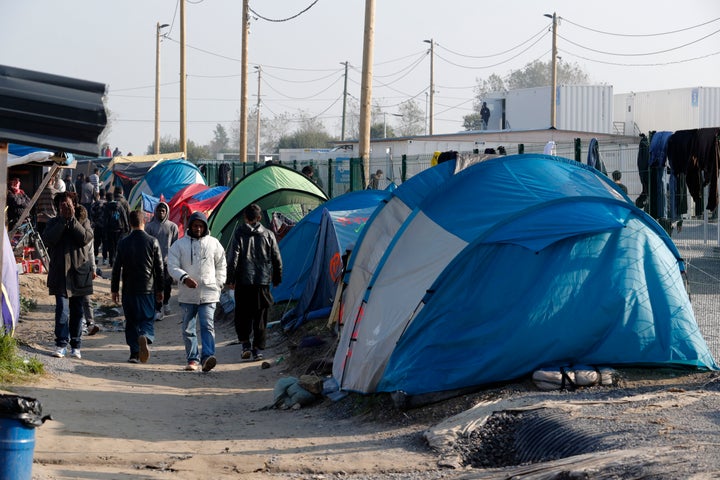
[24, 409]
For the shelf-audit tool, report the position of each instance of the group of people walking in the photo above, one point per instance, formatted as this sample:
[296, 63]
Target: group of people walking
[145, 261]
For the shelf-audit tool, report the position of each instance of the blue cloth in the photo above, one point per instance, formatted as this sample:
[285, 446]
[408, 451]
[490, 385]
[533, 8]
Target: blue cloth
[205, 312]
[139, 319]
[68, 321]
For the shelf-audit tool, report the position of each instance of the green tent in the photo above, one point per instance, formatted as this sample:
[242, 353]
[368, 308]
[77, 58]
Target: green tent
[276, 189]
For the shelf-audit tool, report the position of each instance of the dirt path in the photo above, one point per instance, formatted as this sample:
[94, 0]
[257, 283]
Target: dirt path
[115, 420]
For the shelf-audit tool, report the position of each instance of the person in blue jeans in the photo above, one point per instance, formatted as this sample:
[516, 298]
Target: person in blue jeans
[197, 262]
[68, 237]
[139, 263]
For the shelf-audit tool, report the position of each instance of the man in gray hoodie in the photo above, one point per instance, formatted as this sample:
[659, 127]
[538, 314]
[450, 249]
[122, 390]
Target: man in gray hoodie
[166, 233]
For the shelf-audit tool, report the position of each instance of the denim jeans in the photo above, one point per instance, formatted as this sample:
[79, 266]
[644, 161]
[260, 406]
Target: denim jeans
[205, 312]
[68, 321]
[139, 319]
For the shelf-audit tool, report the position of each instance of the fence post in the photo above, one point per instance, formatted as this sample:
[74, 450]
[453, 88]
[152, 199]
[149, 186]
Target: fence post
[521, 148]
[330, 178]
[295, 165]
[578, 150]
[403, 168]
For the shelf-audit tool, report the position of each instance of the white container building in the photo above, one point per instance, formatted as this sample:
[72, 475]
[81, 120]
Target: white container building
[583, 108]
[668, 110]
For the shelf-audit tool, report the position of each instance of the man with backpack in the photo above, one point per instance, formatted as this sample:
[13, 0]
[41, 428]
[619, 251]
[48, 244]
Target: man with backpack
[116, 225]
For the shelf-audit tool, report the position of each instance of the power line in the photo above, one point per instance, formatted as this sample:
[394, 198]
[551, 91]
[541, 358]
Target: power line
[494, 64]
[283, 19]
[657, 64]
[643, 54]
[544, 30]
[641, 34]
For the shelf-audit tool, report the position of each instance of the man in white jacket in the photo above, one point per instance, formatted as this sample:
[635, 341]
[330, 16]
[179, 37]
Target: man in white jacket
[197, 262]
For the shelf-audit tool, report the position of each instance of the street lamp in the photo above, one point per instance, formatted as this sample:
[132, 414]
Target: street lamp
[157, 85]
[385, 122]
[553, 93]
[432, 86]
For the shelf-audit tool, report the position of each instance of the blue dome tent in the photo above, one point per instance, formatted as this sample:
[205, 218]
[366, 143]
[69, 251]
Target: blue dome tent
[514, 264]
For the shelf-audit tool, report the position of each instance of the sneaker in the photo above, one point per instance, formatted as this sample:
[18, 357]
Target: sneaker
[209, 363]
[192, 366]
[59, 352]
[256, 354]
[246, 354]
[144, 354]
[75, 353]
[158, 316]
[93, 329]
[85, 330]
[134, 358]
[167, 310]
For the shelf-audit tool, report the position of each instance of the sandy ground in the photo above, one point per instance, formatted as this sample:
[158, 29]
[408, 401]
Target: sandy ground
[115, 420]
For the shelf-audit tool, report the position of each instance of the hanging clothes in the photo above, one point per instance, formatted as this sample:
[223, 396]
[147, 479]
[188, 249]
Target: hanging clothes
[708, 157]
[656, 165]
[593, 158]
[680, 157]
[643, 158]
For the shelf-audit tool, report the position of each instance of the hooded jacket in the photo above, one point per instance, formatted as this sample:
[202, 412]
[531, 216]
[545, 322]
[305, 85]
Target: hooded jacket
[164, 230]
[70, 248]
[254, 257]
[203, 260]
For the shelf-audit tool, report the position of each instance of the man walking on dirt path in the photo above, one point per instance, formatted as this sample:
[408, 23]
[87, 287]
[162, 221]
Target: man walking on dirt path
[166, 232]
[139, 263]
[254, 263]
[197, 262]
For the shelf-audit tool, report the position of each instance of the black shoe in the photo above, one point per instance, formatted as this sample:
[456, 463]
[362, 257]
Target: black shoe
[134, 358]
[257, 354]
[93, 329]
[209, 363]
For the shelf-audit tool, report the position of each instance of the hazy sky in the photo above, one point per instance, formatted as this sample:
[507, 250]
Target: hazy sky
[113, 42]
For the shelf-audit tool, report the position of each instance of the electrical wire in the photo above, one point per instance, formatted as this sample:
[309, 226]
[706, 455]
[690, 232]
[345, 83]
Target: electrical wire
[657, 64]
[300, 98]
[544, 30]
[340, 70]
[643, 54]
[641, 34]
[495, 64]
[283, 19]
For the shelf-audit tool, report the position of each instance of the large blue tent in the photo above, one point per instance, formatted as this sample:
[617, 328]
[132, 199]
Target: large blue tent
[312, 251]
[515, 264]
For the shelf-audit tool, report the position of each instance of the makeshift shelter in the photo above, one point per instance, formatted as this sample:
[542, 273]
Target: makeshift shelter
[515, 264]
[194, 198]
[312, 252]
[129, 170]
[276, 189]
[166, 179]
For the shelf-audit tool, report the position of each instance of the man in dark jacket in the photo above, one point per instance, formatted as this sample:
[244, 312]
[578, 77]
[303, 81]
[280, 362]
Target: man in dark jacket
[68, 237]
[166, 233]
[139, 263]
[254, 263]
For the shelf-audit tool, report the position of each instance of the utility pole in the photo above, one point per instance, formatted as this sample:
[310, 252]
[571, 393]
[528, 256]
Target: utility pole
[157, 86]
[366, 88]
[183, 100]
[432, 81]
[243, 84]
[553, 93]
[342, 133]
[257, 126]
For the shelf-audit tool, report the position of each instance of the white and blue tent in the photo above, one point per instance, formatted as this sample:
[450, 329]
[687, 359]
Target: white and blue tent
[312, 253]
[515, 264]
[384, 224]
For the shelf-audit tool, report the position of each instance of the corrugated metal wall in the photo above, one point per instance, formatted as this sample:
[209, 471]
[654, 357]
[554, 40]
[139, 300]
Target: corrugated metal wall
[585, 108]
[709, 101]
